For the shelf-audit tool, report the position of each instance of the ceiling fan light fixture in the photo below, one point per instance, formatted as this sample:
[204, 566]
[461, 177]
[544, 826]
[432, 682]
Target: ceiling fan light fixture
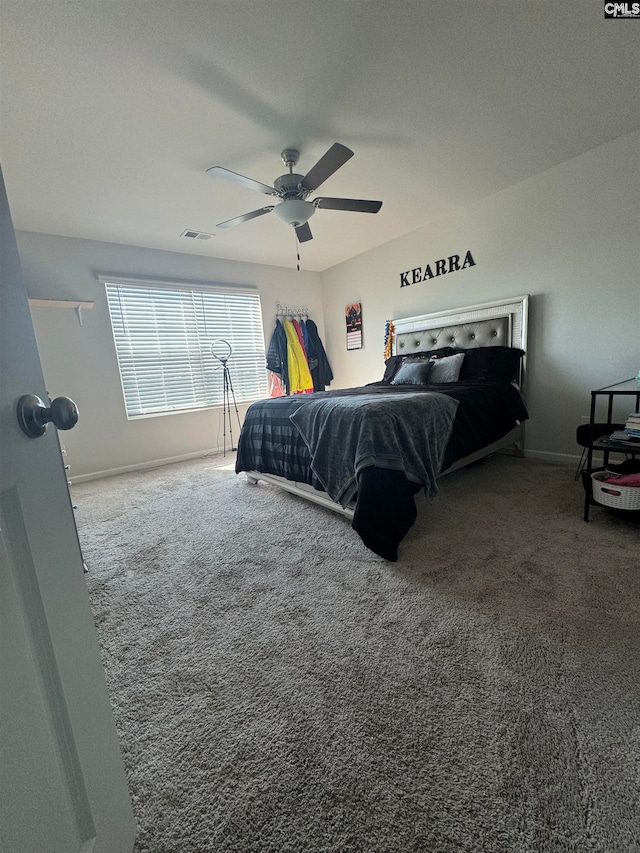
[292, 190]
[294, 211]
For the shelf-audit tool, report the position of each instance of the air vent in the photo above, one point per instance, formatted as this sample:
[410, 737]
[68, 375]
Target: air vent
[196, 235]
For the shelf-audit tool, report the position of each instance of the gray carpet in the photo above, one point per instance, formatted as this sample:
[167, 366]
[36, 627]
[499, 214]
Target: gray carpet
[278, 688]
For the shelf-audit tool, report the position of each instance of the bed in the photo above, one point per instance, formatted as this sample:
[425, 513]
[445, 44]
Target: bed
[366, 452]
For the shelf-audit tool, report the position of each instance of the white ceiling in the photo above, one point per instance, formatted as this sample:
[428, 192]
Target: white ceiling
[112, 111]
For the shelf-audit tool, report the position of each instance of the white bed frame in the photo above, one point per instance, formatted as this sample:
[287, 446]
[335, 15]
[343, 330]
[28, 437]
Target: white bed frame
[503, 322]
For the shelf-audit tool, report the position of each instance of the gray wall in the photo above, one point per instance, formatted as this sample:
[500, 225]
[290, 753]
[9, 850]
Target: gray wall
[80, 361]
[569, 237]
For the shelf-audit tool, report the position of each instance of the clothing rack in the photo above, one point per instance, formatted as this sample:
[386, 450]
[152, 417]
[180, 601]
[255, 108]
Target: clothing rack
[286, 311]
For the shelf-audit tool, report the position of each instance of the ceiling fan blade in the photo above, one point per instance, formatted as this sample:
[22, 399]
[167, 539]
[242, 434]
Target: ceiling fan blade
[303, 233]
[329, 163]
[249, 183]
[358, 205]
[238, 220]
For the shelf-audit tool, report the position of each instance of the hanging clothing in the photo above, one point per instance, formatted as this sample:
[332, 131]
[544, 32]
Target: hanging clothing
[296, 359]
[300, 379]
[276, 388]
[298, 327]
[318, 361]
[305, 336]
[277, 359]
[312, 358]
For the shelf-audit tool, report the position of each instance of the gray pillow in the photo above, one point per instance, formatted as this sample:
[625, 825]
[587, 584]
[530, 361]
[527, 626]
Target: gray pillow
[446, 369]
[413, 373]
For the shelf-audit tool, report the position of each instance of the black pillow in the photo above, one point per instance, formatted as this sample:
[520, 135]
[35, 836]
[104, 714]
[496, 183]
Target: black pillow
[413, 373]
[391, 367]
[393, 363]
[490, 364]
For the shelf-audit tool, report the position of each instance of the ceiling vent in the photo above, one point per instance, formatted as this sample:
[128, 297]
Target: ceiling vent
[196, 235]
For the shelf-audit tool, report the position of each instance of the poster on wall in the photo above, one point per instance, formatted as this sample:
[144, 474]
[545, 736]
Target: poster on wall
[353, 314]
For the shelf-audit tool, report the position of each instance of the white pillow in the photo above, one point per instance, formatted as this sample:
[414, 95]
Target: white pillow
[413, 373]
[446, 369]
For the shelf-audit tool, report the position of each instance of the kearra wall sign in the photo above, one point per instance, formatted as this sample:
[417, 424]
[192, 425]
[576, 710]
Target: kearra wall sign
[441, 266]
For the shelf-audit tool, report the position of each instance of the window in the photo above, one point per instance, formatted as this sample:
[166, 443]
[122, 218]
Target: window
[164, 334]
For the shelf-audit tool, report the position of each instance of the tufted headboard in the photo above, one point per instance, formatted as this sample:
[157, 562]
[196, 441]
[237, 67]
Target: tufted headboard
[502, 323]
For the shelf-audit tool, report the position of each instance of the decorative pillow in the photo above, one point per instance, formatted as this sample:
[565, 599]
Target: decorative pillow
[394, 362]
[446, 369]
[391, 367]
[413, 373]
[491, 364]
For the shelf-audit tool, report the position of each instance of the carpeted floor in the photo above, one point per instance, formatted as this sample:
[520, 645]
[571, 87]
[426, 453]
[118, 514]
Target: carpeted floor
[278, 688]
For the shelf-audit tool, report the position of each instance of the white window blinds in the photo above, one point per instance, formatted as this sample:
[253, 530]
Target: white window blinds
[163, 337]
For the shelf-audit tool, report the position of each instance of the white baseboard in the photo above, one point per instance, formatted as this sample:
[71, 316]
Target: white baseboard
[155, 463]
[562, 458]
[548, 456]
[541, 455]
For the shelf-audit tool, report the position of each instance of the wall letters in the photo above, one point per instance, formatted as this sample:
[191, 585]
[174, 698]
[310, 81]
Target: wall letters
[442, 267]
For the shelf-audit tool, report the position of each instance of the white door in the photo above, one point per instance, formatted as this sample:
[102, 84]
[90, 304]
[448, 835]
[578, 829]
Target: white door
[62, 781]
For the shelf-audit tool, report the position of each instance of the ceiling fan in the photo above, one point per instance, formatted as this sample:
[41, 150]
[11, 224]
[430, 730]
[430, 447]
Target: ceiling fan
[292, 190]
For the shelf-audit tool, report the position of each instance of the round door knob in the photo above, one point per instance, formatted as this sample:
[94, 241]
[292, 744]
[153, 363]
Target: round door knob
[33, 415]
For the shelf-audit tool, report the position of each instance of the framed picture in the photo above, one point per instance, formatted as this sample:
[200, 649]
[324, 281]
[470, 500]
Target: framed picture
[353, 316]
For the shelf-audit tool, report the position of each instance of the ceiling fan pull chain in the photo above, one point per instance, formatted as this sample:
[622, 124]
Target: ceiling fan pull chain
[297, 249]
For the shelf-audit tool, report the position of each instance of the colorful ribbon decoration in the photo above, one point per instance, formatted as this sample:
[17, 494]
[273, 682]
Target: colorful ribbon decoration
[389, 334]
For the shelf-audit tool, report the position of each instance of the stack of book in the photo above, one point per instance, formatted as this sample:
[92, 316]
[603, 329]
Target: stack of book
[631, 432]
